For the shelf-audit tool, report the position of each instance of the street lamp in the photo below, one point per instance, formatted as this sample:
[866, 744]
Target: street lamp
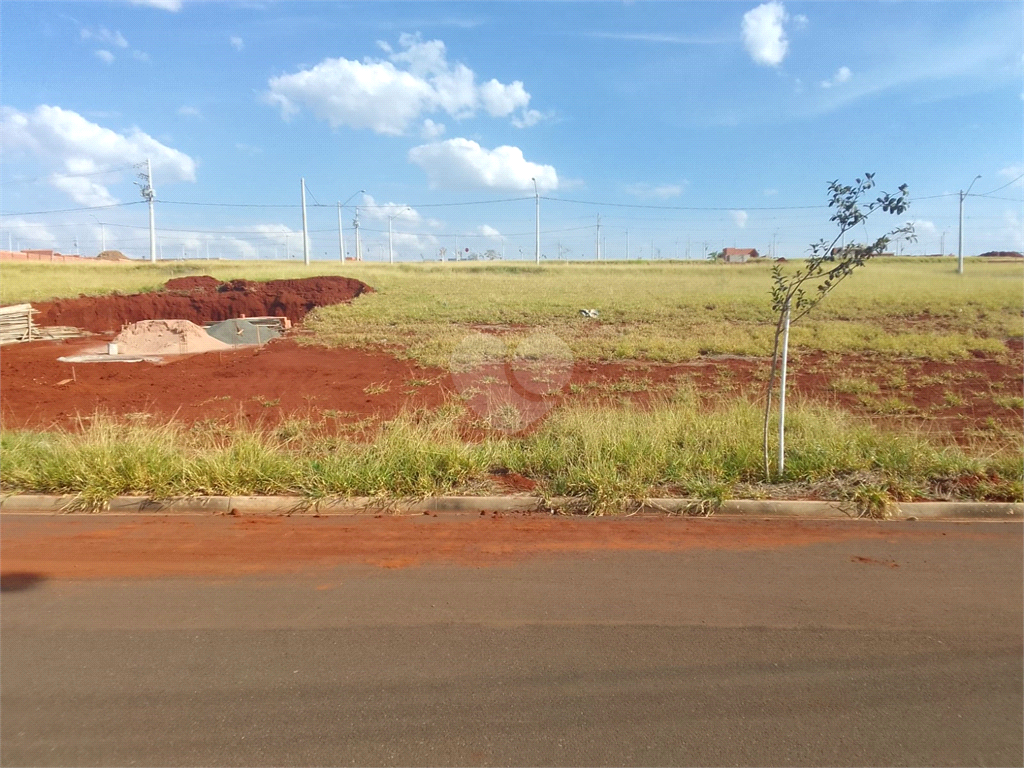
[391, 252]
[341, 235]
[536, 194]
[960, 249]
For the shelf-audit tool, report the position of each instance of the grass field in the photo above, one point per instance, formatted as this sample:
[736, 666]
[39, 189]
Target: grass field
[654, 311]
[603, 454]
[894, 309]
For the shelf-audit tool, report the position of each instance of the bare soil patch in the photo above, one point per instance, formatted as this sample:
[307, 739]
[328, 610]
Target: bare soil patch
[285, 379]
[201, 299]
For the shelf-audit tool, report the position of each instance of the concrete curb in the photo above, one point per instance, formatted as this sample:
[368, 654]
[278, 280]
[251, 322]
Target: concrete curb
[296, 505]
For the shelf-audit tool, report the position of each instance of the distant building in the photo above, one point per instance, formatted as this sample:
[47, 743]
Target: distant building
[739, 255]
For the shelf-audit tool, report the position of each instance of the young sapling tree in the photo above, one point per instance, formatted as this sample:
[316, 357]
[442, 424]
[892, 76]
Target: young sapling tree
[795, 293]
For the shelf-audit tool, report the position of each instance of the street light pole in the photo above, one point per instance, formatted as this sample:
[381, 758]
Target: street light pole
[305, 231]
[359, 245]
[341, 234]
[960, 248]
[536, 194]
[391, 252]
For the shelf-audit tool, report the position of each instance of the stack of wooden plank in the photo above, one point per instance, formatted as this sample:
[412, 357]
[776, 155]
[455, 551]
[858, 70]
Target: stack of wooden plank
[16, 325]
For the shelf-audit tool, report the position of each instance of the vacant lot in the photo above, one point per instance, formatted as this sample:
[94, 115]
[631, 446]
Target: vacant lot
[466, 377]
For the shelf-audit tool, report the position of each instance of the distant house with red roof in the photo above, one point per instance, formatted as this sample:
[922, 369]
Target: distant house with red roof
[739, 255]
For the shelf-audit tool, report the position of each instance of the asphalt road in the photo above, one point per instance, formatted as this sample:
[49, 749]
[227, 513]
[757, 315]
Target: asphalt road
[882, 651]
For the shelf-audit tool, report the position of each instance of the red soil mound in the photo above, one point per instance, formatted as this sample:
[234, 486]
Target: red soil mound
[191, 283]
[201, 299]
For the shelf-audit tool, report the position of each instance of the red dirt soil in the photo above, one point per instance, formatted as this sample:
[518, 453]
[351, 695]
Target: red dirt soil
[84, 547]
[201, 299]
[264, 385]
[284, 378]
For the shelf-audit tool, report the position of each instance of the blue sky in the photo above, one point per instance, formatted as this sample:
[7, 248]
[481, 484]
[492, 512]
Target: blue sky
[691, 125]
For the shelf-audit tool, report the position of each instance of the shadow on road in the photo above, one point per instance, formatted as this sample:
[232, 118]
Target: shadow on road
[18, 581]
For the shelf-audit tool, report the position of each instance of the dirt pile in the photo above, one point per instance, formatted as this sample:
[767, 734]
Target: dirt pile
[202, 299]
[112, 256]
[1001, 255]
[166, 337]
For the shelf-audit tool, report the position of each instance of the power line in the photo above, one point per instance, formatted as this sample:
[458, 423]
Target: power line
[68, 175]
[1012, 181]
[72, 210]
[684, 207]
[362, 207]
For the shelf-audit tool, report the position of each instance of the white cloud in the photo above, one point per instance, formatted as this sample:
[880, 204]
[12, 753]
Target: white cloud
[464, 164]
[249, 149]
[739, 218]
[764, 35]
[771, 192]
[800, 21]
[83, 191]
[529, 118]
[500, 100]
[383, 211]
[28, 234]
[431, 130]
[842, 75]
[104, 35]
[105, 56]
[924, 228]
[387, 95]
[236, 42]
[1013, 172]
[662, 191]
[140, 55]
[410, 246]
[277, 234]
[163, 5]
[64, 138]
[488, 231]
[189, 111]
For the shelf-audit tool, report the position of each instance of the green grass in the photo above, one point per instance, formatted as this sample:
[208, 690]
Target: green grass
[653, 311]
[854, 385]
[606, 454]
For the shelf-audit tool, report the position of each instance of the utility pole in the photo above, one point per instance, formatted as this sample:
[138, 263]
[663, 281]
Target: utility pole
[536, 195]
[391, 253]
[148, 194]
[341, 234]
[960, 248]
[359, 246]
[597, 242]
[341, 237]
[305, 232]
